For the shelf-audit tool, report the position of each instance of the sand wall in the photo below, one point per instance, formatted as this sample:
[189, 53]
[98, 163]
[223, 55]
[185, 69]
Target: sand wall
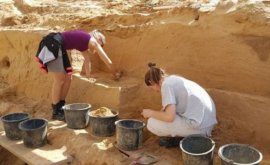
[226, 51]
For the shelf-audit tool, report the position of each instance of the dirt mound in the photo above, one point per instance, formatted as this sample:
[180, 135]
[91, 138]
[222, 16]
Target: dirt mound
[101, 112]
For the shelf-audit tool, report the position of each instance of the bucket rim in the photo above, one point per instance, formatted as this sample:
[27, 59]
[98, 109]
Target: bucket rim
[116, 123]
[9, 121]
[88, 107]
[234, 163]
[101, 117]
[24, 129]
[204, 153]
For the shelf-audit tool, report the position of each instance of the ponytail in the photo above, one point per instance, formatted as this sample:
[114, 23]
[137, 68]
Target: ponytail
[154, 75]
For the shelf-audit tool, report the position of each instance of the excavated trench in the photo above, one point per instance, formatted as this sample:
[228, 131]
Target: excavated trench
[226, 53]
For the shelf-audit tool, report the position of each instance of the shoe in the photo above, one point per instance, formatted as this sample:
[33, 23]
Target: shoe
[62, 114]
[62, 103]
[169, 142]
[58, 113]
[61, 111]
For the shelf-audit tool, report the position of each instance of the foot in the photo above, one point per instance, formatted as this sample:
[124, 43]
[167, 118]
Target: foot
[62, 114]
[61, 103]
[58, 113]
[170, 142]
[59, 116]
[118, 74]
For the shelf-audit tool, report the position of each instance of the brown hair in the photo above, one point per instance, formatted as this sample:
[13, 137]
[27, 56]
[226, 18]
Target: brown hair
[153, 75]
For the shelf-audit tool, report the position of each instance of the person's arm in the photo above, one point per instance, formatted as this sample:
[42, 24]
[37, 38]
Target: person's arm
[87, 63]
[168, 115]
[104, 57]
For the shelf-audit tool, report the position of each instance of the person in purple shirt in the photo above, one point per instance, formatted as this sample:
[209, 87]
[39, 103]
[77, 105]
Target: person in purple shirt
[80, 40]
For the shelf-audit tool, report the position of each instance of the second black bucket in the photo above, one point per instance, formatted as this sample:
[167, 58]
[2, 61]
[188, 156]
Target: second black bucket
[103, 126]
[11, 122]
[34, 132]
[129, 134]
[197, 150]
[77, 115]
[239, 154]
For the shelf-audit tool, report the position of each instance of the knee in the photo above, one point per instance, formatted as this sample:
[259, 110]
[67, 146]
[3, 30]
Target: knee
[157, 127]
[151, 125]
[59, 81]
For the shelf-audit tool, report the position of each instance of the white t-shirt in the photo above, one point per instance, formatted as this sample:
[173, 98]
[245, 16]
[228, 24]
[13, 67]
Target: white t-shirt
[191, 101]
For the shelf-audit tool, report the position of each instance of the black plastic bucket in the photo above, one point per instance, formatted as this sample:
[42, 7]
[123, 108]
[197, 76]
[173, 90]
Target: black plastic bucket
[129, 134]
[11, 122]
[34, 132]
[197, 150]
[77, 115]
[239, 154]
[103, 126]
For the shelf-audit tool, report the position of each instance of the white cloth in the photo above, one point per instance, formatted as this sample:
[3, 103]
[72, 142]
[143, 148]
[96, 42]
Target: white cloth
[45, 55]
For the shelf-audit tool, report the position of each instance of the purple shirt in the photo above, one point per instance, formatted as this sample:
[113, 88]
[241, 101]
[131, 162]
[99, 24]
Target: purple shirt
[76, 39]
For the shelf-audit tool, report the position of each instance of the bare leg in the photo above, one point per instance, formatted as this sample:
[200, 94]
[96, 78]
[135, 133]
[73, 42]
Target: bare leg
[59, 80]
[65, 87]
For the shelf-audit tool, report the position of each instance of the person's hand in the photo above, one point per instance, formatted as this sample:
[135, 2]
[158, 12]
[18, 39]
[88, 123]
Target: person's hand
[118, 74]
[147, 113]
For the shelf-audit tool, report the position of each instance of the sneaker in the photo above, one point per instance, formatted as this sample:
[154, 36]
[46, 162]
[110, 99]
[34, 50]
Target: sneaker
[169, 142]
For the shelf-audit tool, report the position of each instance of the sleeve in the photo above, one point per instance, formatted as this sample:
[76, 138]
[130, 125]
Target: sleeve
[168, 95]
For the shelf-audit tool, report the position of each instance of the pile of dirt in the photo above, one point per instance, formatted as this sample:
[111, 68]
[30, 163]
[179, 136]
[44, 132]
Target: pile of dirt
[101, 112]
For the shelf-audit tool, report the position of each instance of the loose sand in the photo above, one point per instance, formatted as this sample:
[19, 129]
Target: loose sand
[101, 112]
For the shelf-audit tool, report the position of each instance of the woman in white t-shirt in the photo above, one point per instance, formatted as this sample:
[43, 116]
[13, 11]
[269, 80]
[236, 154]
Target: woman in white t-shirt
[187, 109]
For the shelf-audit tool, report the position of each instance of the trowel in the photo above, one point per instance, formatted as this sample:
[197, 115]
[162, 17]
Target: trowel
[144, 159]
[139, 159]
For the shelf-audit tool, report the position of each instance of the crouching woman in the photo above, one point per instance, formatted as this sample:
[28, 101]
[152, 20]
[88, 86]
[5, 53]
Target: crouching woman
[187, 108]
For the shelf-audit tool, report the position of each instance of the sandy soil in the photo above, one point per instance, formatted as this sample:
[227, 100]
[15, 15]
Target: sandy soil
[222, 45]
[101, 112]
